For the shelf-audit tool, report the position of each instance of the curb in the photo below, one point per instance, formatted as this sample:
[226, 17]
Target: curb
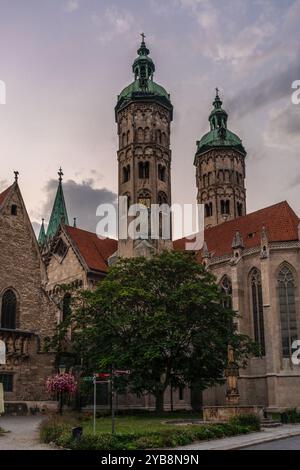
[259, 441]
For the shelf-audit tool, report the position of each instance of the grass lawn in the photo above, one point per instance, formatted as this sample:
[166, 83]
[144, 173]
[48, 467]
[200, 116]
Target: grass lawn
[139, 431]
[138, 424]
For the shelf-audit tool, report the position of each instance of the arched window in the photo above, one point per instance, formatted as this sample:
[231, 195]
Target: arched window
[257, 308]
[66, 306]
[208, 209]
[226, 289]
[158, 133]
[225, 207]
[162, 172]
[126, 173]
[287, 308]
[143, 170]
[123, 139]
[239, 209]
[162, 198]
[128, 137]
[9, 310]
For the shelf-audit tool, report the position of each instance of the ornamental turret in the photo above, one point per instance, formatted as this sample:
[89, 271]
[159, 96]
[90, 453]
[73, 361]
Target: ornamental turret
[220, 170]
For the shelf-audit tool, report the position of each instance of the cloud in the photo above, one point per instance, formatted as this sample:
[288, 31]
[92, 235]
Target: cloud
[71, 5]
[265, 92]
[82, 199]
[114, 22]
[283, 128]
[3, 185]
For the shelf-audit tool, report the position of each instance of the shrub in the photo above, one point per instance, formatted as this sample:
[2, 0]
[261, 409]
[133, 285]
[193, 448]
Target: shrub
[290, 416]
[60, 431]
[251, 420]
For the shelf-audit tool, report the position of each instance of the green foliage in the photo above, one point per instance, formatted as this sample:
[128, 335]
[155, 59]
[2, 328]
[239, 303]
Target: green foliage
[59, 432]
[161, 318]
[251, 420]
[290, 416]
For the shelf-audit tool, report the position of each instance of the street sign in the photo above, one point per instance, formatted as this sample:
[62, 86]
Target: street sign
[88, 379]
[2, 353]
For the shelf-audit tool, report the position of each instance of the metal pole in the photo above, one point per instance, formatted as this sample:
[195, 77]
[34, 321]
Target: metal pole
[112, 401]
[95, 402]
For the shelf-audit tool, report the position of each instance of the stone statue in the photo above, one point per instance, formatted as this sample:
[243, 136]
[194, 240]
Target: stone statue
[232, 374]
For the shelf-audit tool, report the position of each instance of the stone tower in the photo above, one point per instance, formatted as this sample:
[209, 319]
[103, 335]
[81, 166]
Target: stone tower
[143, 115]
[220, 170]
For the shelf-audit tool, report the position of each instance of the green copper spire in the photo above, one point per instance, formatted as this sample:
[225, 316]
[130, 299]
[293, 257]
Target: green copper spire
[219, 136]
[59, 212]
[42, 236]
[143, 87]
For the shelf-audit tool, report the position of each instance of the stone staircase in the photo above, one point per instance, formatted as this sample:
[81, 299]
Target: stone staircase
[270, 423]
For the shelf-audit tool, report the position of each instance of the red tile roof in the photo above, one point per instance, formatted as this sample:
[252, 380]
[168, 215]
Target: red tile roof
[4, 194]
[93, 250]
[280, 221]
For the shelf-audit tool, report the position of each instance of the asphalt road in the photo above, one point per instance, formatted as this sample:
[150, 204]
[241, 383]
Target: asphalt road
[291, 443]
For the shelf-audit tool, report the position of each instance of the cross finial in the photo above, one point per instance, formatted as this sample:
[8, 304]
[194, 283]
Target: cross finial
[60, 174]
[143, 37]
[75, 222]
[16, 175]
[217, 91]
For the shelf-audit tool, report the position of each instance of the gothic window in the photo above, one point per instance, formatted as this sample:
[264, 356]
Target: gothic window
[144, 170]
[140, 135]
[126, 173]
[123, 139]
[158, 133]
[181, 393]
[164, 139]
[204, 180]
[239, 209]
[66, 306]
[257, 308]
[128, 137]
[14, 209]
[225, 207]
[162, 172]
[226, 289]
[60, 249]
[287, 308]
[9, 310]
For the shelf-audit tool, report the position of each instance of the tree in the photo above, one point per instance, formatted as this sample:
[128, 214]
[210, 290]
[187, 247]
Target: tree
[163, 319]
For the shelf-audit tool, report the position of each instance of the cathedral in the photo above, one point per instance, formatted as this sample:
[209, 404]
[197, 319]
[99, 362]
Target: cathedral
[255, 257]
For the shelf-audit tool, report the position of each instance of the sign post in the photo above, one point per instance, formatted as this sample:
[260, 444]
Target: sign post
[95, 402]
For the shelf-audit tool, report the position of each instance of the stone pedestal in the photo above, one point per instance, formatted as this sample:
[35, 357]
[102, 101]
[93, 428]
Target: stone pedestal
[222, 414]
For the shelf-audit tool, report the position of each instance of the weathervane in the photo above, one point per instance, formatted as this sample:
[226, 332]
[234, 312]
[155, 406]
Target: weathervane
[16, 175]
[143, 37]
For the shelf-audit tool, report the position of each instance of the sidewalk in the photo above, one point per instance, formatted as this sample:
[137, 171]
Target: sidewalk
[246, 440]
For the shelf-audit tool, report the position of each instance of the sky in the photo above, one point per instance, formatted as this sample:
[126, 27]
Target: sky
[65, 61]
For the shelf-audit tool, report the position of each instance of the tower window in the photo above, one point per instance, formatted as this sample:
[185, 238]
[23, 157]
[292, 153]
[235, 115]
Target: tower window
[225, 207]
[162, 172]
[158, 136]
[14, 209]
[208, 209]
[144, 170]
[147, 134]
[123, 139]
[126, 173]
[239, 209]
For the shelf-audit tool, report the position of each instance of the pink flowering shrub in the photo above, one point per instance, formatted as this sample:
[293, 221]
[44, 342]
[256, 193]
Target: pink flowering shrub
[61, 383]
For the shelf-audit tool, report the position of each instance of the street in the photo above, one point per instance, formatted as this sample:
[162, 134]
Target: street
[291, 443]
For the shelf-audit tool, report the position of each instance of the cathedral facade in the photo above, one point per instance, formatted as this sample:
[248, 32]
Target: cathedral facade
[255, 257]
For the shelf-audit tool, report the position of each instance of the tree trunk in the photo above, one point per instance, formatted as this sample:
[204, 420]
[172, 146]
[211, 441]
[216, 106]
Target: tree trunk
[159, 401]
